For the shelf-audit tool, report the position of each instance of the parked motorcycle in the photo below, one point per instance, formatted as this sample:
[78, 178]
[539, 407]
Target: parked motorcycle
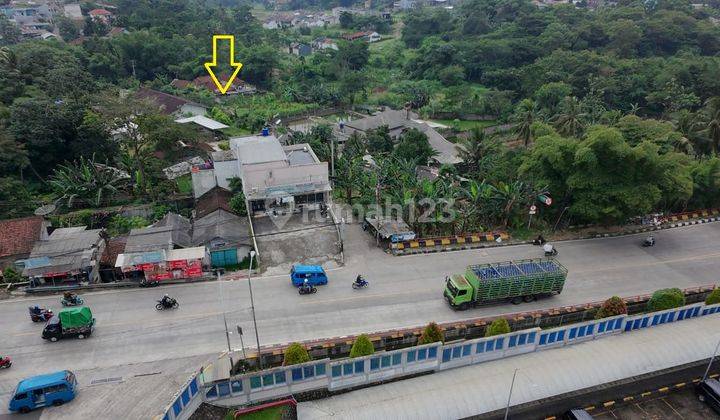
[38, 314]
[360, 283]
[149, 283]
[307, 289]
[5, 362]
[168, 303]
[72, 300]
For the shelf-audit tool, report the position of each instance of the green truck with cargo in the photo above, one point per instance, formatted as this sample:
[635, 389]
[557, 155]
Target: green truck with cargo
[516, 281]
[73, 322]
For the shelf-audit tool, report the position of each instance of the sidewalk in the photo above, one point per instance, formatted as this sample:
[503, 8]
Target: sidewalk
[482, 388]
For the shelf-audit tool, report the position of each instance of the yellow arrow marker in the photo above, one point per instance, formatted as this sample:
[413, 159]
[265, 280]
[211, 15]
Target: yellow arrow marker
[223, 88]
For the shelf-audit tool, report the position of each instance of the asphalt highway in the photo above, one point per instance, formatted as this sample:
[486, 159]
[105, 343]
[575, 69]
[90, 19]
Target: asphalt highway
[404, 291]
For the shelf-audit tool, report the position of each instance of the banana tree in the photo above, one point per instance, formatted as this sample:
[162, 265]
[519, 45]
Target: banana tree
[86, 181]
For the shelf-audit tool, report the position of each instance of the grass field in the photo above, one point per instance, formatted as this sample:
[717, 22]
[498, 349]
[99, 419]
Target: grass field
[272, 413]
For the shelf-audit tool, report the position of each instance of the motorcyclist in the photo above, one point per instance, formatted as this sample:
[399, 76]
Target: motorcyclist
[167, 300]
[549, 249]
[359, 280]
[539, 240]
[36, 310]
[306, 286]
[650, 240]
[70, 297]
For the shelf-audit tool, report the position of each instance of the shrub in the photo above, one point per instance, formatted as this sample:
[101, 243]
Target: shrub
[666, 299]
[713, 297]
[362, 347]
[295, 354]
[431, 334]
[10, 275]
[499, 326]
[611, 307]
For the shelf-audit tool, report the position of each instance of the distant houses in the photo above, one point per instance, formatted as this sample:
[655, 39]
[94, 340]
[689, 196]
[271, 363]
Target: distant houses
[368, 36]
[238, 86]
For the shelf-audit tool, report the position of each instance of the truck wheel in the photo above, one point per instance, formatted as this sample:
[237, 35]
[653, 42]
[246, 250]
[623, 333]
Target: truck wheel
[528, 298]
[24, 410]
[58, 403]
[463, 306]
[701, 398]
[53, 339]
[516, 300]
[81, 336]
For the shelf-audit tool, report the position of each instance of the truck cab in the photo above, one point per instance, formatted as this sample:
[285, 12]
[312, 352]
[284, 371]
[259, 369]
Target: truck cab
[458, 291]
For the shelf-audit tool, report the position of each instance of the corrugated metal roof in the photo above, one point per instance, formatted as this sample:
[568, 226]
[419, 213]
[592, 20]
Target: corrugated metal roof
[221, 224]
[205, 122]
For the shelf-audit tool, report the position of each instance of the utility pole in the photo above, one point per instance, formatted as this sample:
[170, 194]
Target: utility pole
[512, 384]
[252, 308]
[227, 333]
[707, 371]
[332, 158]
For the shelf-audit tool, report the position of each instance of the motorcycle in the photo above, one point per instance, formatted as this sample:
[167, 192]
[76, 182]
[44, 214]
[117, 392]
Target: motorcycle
[169, 304]
[74, 301]
[149, 283]
[5, 362]
[550, 250]
[539, 240]
[307, 290]
[649, 241]
[360, 283]
[38, 314]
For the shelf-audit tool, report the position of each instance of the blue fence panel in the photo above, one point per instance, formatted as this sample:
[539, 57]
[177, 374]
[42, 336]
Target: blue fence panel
[177, 407]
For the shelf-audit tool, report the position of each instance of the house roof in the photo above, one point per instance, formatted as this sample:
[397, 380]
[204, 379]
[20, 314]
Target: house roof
[66, 249]
[397, 120]
[204, 122]
[17, 236]
[115, 31]
[221, 224]
[169, 104]
[216, 198]
[99, 12]
[356, 35]
[170, 231]
[258, 149]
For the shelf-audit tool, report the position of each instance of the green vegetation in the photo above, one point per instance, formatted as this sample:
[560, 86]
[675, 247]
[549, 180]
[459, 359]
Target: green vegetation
[713, 297]
[295, 354]
[10, 275]
[612, 307]
[431, 334]
[666, 299]
[362, 347]
[497, 327]
[465, 125]
[270, 413]
[184, 184]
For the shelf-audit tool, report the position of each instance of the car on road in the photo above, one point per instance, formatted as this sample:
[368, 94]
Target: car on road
[39, 391]
[314, 274]
[708, 391]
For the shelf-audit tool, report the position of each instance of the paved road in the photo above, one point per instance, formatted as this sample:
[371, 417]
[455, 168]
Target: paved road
[405, 291]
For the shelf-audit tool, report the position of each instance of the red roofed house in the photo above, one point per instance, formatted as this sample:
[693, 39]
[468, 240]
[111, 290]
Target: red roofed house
[205, 82]
[17, 237]
[367, 36]
[101, 15]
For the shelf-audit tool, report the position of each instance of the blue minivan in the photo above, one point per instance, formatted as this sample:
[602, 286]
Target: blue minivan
[314, 274]
[42, 390]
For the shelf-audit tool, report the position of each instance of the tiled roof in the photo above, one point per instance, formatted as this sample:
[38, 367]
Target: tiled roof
[168, 103]
[99, 12]
[17, 236]
[216, 198]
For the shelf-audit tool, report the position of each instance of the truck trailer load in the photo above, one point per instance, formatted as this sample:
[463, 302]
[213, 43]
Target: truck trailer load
[517, 281]
[74, 322]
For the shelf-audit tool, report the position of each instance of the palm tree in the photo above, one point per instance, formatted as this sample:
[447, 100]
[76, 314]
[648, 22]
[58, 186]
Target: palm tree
[570, 121]
[712, 122]
[477, 152]
[526, 114]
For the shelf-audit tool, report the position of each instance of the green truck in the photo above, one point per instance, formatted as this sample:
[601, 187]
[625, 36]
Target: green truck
[517, 281]
[74, 322]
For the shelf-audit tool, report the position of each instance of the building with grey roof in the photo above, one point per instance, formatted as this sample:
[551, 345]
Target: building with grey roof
[398, 122]
[274, 178]
[170, 232]
[67, 254]
[225, 235]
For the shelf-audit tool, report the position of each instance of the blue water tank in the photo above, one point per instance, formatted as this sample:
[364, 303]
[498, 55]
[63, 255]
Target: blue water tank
[265, 131]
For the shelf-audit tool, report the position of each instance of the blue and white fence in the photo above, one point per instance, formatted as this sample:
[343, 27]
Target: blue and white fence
[345, 373]
[185, 402]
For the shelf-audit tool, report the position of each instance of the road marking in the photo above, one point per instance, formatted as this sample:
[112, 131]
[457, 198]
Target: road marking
[648, 264]
[672, 408]
[364, 296]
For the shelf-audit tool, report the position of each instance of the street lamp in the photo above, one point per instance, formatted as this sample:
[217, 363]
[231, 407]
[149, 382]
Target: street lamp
[227, 333]
[512, 384]
[252, 308]
[707, 371]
